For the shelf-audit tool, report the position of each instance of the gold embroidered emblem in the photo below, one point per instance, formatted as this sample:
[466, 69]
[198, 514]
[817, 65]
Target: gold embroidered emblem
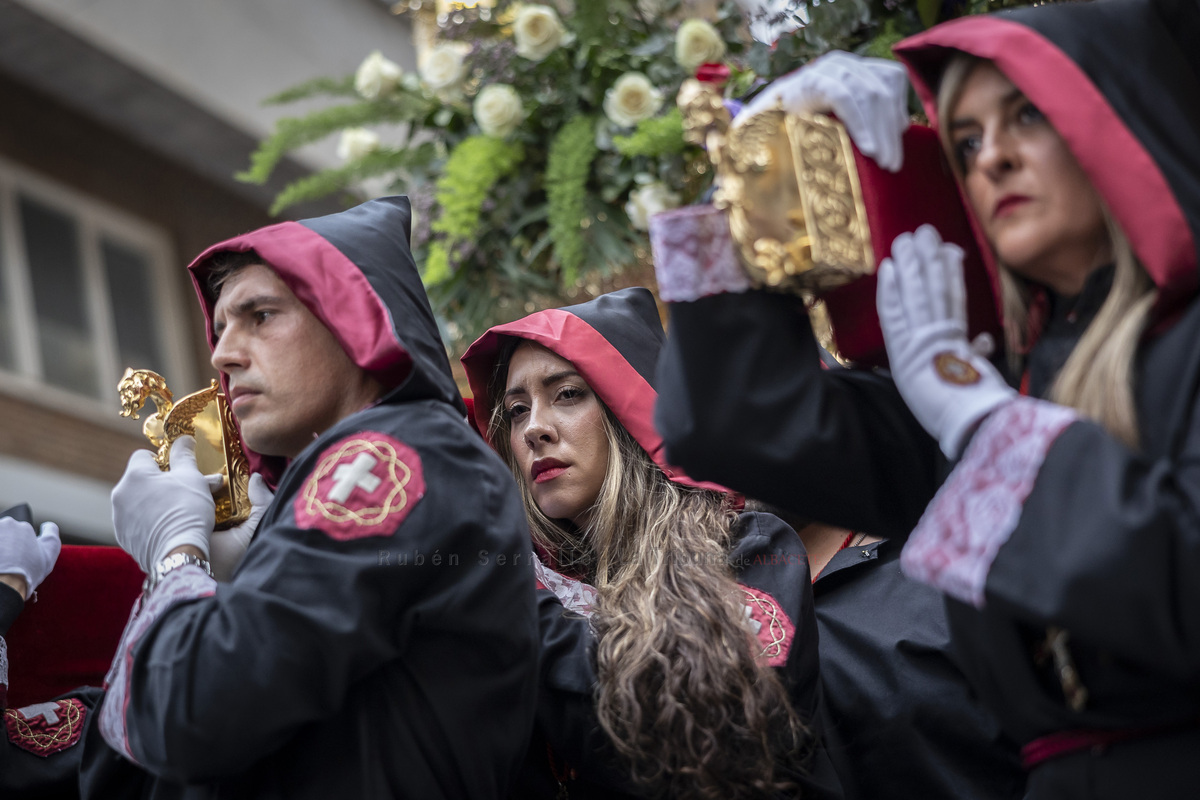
[773, 639]
[358, 468]
[47, 738]
[953, 369]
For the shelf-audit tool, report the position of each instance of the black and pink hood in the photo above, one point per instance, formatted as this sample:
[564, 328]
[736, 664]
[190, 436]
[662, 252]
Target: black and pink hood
[1118, 79]
[354, 270]
[613, 341]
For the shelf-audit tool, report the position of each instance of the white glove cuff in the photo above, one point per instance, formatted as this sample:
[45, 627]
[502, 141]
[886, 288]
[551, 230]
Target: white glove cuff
[964, 416]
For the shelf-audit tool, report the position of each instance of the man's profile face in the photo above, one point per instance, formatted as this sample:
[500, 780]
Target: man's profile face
[288, 378]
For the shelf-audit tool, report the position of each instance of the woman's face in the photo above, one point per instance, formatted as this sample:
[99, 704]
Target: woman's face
[1038, 209]
[557, 432]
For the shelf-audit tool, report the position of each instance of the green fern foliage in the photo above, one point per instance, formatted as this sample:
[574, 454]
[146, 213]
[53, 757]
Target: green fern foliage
[568, 166]
[654, 137]
[317, 87]
[472, 169]
[293, 132]
[332, 181]
[437, 265]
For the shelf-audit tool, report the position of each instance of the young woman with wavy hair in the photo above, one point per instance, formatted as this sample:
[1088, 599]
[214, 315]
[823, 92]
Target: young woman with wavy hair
[679, 627]
[1062, 515]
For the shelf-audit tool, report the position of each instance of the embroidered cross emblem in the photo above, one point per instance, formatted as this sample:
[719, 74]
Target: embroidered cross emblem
[772, 628]
[46, 728]
[754, 624]
[364, 485]
[47, 711]
[356, 475]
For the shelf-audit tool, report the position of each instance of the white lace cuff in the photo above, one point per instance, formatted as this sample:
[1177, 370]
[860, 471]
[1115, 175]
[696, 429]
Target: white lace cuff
[978, 507]
[694, 255]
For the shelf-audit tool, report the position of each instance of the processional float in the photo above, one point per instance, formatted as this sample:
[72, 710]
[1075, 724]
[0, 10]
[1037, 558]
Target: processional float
[798, 209]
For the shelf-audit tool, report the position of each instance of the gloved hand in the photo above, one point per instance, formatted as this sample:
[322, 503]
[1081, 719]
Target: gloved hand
[24, 553]
[226, 548]
[922, 304]
[154, 511]
[868, 95]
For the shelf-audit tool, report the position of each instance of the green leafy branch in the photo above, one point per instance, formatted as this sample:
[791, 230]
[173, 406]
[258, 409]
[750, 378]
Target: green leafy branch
[294, 132]
[568, 166]
[654, 137]
[331, 181]
[317, 87]
[472, 169]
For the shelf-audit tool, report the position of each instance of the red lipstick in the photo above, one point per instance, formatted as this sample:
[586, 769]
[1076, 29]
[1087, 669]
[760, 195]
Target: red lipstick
[1007, 203]
[547, 469]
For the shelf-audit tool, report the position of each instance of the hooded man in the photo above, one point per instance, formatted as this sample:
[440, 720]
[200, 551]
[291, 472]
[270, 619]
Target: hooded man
[362, 647]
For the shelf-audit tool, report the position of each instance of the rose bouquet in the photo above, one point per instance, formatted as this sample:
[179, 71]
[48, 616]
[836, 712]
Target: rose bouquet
[537, 138]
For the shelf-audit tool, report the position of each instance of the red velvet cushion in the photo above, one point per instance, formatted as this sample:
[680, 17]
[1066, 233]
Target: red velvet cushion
[67, 638]
[923, 191]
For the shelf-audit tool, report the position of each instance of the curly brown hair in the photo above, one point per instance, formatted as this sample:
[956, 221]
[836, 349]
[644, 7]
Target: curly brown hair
[682, 694]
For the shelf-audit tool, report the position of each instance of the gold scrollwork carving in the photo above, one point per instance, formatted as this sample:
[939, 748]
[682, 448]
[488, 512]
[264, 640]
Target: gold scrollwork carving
[791, 190]
[206, 416]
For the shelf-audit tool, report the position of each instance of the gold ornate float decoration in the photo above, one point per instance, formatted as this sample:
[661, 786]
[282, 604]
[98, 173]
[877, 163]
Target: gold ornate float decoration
[204, 415]
[791, 190]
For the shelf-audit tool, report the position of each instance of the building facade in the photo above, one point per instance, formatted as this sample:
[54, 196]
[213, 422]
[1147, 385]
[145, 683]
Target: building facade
[122, 124]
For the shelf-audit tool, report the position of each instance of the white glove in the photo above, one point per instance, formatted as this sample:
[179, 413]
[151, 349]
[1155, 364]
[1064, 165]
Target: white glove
[922, 303]
[24, 553]
[226, 548]
[154, 511]
[770, 19]
[868, 95]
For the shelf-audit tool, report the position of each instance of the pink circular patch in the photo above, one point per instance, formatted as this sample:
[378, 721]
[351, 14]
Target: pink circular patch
[365, 485]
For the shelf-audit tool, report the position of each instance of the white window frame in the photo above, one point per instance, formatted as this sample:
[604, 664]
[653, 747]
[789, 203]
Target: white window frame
[94, 218]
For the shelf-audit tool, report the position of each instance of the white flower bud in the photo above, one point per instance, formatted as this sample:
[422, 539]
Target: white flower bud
[632, 99]
[538, 32]
[499, 110]
[356, 143]
[648, 200]
[698, 42]
[376, 76]
[442, 68]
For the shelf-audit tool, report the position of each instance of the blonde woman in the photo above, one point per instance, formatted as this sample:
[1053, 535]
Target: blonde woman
[1067, 534]
[678, 644]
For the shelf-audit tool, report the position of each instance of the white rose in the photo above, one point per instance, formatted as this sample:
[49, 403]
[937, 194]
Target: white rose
[356, 143]
[376, 76]
[632, 99]
[498, 110]
[697, 42]
[648, 200]
[442, 67]
[539, 32]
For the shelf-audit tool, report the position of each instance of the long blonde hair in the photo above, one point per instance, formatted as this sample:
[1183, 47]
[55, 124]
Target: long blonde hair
[1098, 377]
[681, 693]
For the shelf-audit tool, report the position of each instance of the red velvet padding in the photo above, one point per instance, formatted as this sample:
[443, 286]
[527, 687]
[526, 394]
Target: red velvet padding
[67, 638]
[923, 191]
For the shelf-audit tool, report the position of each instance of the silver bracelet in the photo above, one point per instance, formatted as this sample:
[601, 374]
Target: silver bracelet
[173, 562]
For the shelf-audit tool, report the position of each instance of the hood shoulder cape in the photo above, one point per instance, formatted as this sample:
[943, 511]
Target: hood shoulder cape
[1118, 80]
[355, 272]
[613, 341]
